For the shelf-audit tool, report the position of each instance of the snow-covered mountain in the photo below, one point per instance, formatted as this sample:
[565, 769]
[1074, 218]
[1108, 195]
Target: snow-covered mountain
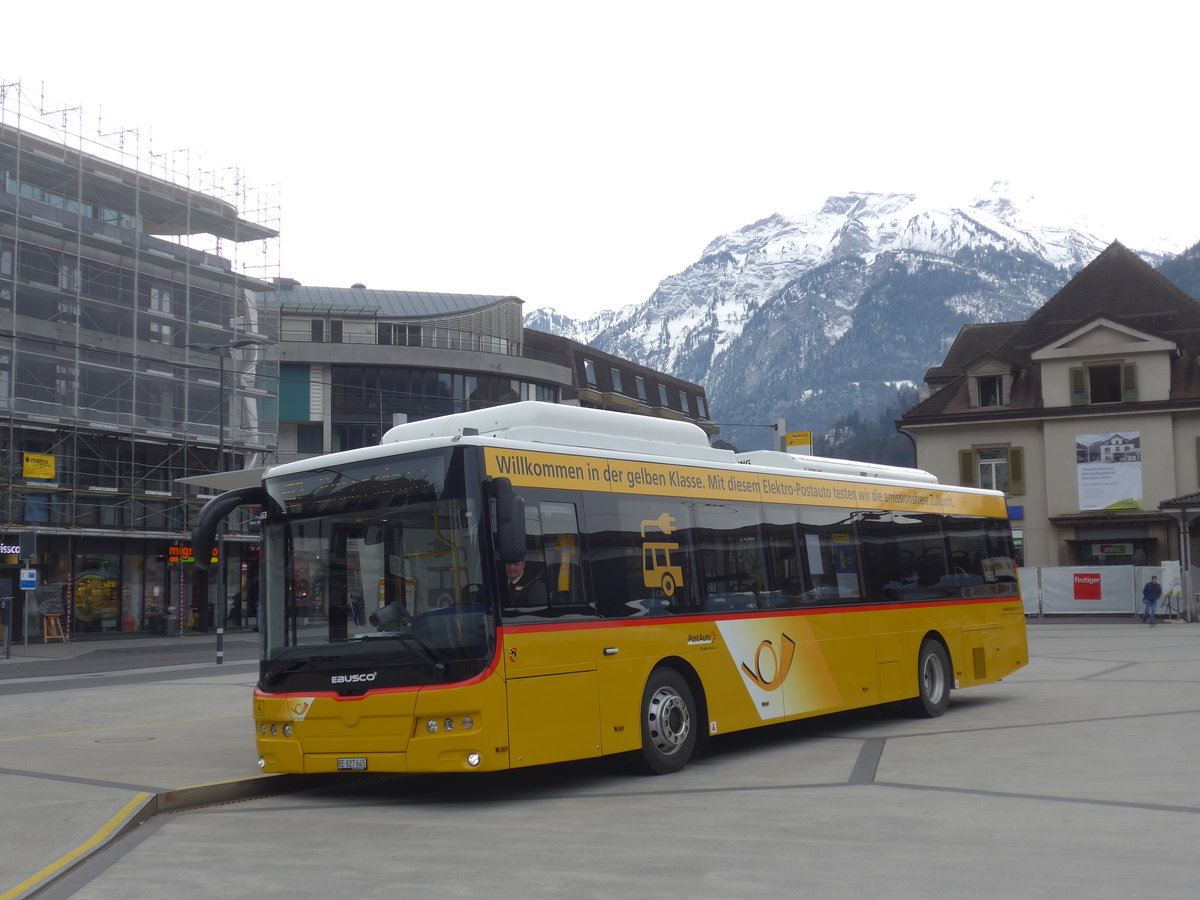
[815, 316]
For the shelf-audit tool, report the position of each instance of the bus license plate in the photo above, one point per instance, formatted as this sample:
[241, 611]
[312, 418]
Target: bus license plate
[352, 764]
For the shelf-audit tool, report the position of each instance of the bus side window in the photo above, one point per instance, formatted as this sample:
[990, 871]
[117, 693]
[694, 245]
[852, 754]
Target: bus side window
[788, 576]
[729, 551]
[562, 554]
[639, 555]
[832, 553]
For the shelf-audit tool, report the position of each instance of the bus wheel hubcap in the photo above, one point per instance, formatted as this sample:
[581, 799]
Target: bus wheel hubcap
[934, 679]
[668, 720]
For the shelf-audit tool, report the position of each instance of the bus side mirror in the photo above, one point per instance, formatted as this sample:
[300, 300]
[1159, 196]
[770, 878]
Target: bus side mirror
[510, 522]
[204, 533]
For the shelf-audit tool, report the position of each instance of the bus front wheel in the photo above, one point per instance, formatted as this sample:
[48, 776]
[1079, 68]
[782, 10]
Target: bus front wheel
[668, 723]
[933, 681]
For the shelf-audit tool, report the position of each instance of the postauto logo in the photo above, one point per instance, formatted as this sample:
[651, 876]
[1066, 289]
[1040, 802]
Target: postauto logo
[1087, 585]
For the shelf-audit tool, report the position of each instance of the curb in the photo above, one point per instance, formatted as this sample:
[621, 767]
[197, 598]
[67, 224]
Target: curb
[145, 806]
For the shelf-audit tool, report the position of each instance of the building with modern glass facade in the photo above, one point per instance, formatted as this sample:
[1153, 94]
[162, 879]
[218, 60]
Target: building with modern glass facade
[355, 361]
[121, 301]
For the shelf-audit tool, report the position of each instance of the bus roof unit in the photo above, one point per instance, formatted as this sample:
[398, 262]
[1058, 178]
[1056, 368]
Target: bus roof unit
[572, 426]
[777, 459]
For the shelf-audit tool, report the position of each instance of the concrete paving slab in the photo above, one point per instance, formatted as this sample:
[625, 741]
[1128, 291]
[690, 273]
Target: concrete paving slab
[1074, 776]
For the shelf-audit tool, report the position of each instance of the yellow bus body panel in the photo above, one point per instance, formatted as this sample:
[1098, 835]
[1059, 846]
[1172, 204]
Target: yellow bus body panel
[574, 690]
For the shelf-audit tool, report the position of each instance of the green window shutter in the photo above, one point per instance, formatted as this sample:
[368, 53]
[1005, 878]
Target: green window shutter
[967, 475]
[1016, 470]
[1079, 395]
[1129, 392]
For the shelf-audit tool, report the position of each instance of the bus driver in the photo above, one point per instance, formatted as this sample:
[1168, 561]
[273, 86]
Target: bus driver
[521, 590]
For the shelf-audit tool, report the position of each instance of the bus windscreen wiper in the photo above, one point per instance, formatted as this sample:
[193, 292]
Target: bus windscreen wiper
[291, 665]
[415, 641]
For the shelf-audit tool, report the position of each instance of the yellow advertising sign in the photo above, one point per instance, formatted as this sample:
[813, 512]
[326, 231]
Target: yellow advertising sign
[38, 465]
[622, 476]
[798, 439]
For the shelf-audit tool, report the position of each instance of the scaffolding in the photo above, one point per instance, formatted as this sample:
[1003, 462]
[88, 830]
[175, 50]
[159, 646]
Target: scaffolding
[131, 347]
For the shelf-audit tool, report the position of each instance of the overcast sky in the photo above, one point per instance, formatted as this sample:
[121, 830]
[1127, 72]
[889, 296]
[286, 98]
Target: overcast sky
[574, 154]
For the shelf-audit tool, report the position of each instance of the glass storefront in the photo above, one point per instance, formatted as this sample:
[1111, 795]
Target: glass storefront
[111, 586]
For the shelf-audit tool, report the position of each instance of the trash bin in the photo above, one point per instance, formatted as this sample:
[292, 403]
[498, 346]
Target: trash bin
[171, 621]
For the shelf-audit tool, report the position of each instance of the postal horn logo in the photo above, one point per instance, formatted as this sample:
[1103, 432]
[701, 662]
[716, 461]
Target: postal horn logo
[779, 663]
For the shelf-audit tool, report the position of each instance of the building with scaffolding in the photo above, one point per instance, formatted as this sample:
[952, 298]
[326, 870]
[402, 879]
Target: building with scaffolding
[130, 357]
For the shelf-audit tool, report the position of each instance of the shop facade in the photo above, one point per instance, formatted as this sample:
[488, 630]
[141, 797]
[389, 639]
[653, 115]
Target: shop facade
[107, 587]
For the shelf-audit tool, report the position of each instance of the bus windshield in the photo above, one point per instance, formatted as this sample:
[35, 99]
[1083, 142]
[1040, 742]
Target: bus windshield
[374, 576]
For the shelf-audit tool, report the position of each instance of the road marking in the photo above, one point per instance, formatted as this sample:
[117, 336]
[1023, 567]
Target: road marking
[63, 861]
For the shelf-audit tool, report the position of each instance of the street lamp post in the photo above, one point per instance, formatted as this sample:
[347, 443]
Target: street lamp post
[222, 350]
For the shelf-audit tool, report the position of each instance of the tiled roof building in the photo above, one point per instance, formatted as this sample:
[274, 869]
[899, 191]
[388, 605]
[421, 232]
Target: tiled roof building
[1016, 405]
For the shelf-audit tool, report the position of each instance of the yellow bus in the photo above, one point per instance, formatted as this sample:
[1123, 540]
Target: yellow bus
[688, 592]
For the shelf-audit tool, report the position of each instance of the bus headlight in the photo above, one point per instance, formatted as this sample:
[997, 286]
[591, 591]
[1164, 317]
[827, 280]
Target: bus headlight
[287, 730]
[431, 726]
[472, 759]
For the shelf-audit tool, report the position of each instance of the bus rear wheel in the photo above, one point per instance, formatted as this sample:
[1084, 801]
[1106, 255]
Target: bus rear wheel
[933, 681]
[668, 723]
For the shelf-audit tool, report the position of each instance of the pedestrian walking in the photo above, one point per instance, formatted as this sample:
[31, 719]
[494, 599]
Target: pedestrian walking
[1150, 594]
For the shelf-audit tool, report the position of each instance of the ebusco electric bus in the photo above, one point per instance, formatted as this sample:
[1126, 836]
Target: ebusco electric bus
[689, 592]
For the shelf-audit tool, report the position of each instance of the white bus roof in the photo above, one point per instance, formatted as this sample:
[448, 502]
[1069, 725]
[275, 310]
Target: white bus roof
[574, 426]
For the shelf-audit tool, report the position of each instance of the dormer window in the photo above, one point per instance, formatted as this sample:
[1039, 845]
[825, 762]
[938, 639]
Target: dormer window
[990, 390]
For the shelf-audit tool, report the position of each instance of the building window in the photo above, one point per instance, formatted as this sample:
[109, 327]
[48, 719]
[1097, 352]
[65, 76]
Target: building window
[309, 437]
[683, 403]
[701, 407]
[616, 380]
[1108, 383]
[589, 372]
[993, 468]
[160, 300]
[640, 384]
[160, 333]
[318, 331]
[662, 395]
[335, 331]
[65, 378]
[396, 335]
[989, 390]
[70, 278]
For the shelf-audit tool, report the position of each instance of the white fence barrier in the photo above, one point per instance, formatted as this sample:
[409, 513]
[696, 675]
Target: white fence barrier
[1097, 590]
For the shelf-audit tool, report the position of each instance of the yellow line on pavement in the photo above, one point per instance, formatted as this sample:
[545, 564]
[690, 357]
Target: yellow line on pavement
[63, 861]
[31, 737]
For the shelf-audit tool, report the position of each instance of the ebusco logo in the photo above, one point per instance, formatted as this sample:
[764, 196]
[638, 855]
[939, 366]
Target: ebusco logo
[353, 679]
